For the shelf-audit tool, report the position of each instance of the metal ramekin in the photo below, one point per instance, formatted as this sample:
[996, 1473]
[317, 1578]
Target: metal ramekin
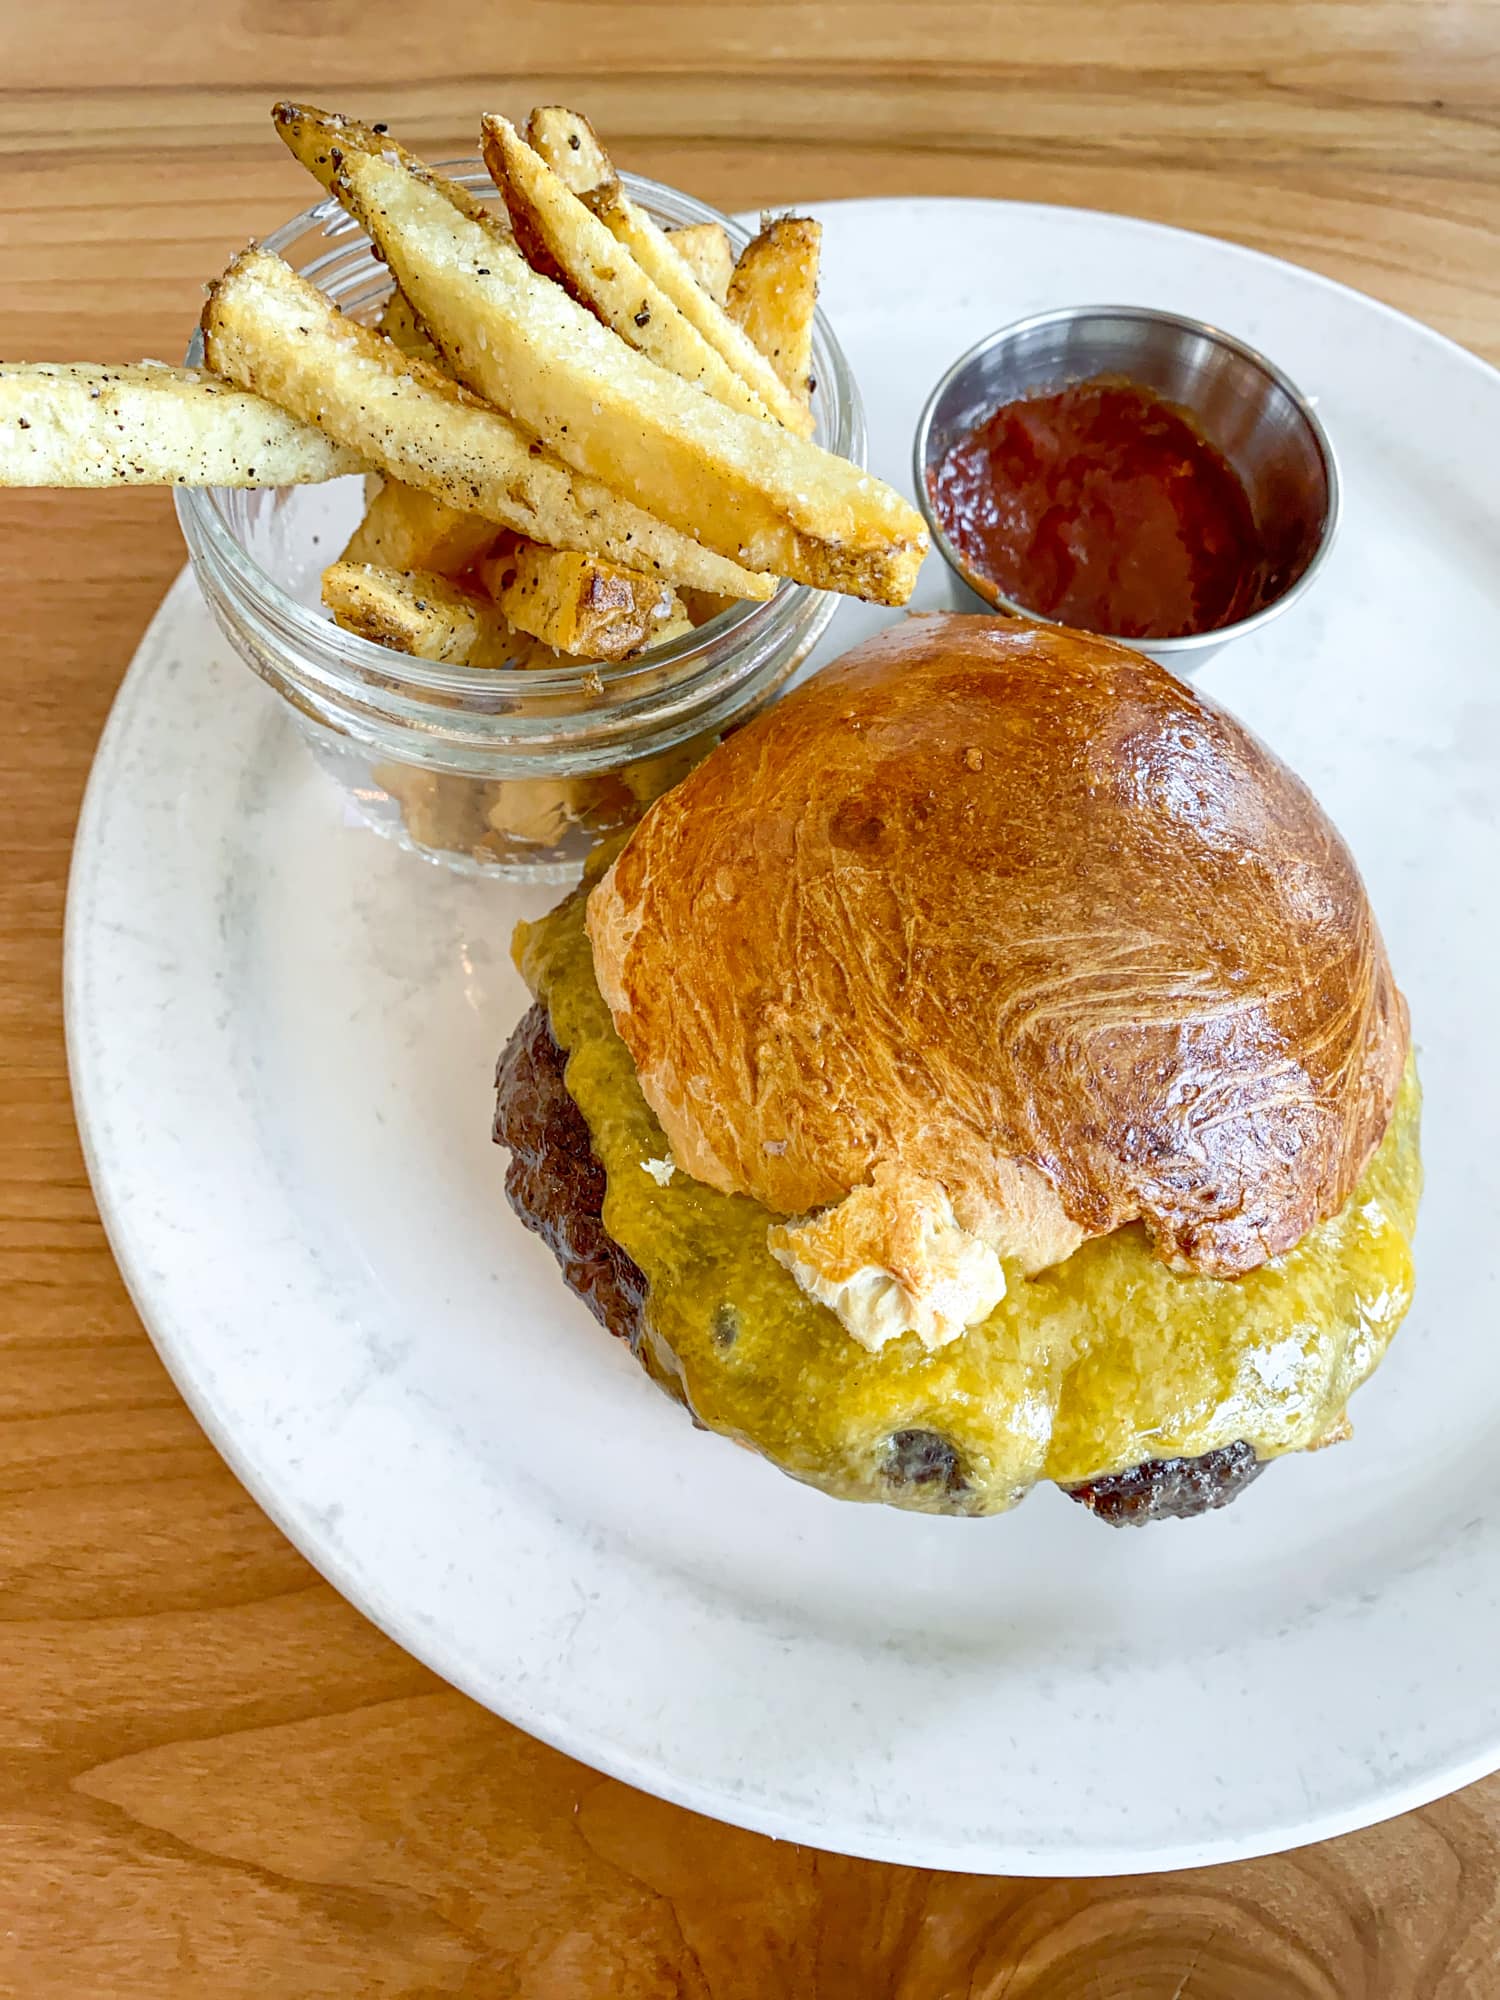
[1241, 402]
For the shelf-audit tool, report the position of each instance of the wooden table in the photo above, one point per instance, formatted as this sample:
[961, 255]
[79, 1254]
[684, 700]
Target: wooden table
[215, 1778]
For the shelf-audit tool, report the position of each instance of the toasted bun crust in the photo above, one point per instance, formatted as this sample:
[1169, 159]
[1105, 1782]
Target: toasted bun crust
[1012, 908]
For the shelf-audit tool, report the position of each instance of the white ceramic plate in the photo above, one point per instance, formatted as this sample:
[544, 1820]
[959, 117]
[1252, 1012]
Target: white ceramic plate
[282, 1033]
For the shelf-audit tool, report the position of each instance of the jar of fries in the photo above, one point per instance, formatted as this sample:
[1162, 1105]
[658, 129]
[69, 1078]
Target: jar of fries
[506, 760]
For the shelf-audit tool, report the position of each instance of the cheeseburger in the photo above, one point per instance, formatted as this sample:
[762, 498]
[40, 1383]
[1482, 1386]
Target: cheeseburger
[985, 1068]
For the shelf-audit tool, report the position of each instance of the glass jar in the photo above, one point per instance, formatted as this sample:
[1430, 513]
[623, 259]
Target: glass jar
[486, 770]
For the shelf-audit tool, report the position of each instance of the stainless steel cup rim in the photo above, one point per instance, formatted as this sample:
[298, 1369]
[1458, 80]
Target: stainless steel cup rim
[1191, 642]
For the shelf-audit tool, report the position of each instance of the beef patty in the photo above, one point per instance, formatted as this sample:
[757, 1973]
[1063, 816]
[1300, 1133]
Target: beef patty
[556, 1186]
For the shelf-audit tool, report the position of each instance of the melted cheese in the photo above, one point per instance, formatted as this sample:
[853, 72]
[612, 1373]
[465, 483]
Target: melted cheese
[1101, 1362]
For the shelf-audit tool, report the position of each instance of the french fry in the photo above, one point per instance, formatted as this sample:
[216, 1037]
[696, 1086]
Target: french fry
[701, 605]
[443, 811]
[589, 609]
[322, 140]
[705, 248]
[150, 425]
[400, 325]
[448, 811]
[773, 500]
[533, 654]
[570, 146]
[418, 613]
[405, 528]
[410, 529]
[538, 811]
[564, 240]
[649, 777]
[773, 294]
[451, 813]
[678, 626]
[266, 328]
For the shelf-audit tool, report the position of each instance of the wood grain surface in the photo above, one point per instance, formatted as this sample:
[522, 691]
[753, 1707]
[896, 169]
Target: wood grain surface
[215, 1778]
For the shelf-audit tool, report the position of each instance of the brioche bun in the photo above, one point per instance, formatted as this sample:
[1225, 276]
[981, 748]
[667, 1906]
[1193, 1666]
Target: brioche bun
[1010, 910]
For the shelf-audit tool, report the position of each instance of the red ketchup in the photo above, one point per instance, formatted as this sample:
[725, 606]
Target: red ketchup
[1101, 506]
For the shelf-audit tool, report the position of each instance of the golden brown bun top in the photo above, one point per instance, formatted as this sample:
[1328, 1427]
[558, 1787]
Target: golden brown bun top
[1012, 908]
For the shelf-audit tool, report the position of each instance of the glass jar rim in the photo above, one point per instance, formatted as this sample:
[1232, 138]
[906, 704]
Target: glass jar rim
[211, 538]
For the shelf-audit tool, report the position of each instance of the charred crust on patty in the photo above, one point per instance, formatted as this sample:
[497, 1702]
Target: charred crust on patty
[1170, 1489]
[555, 1182]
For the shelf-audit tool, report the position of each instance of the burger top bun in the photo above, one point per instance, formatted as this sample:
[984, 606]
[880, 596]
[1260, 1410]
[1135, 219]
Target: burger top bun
[1005, 934]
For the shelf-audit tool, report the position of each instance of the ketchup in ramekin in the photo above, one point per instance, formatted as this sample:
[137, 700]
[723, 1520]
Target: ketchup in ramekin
[1101, 506]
